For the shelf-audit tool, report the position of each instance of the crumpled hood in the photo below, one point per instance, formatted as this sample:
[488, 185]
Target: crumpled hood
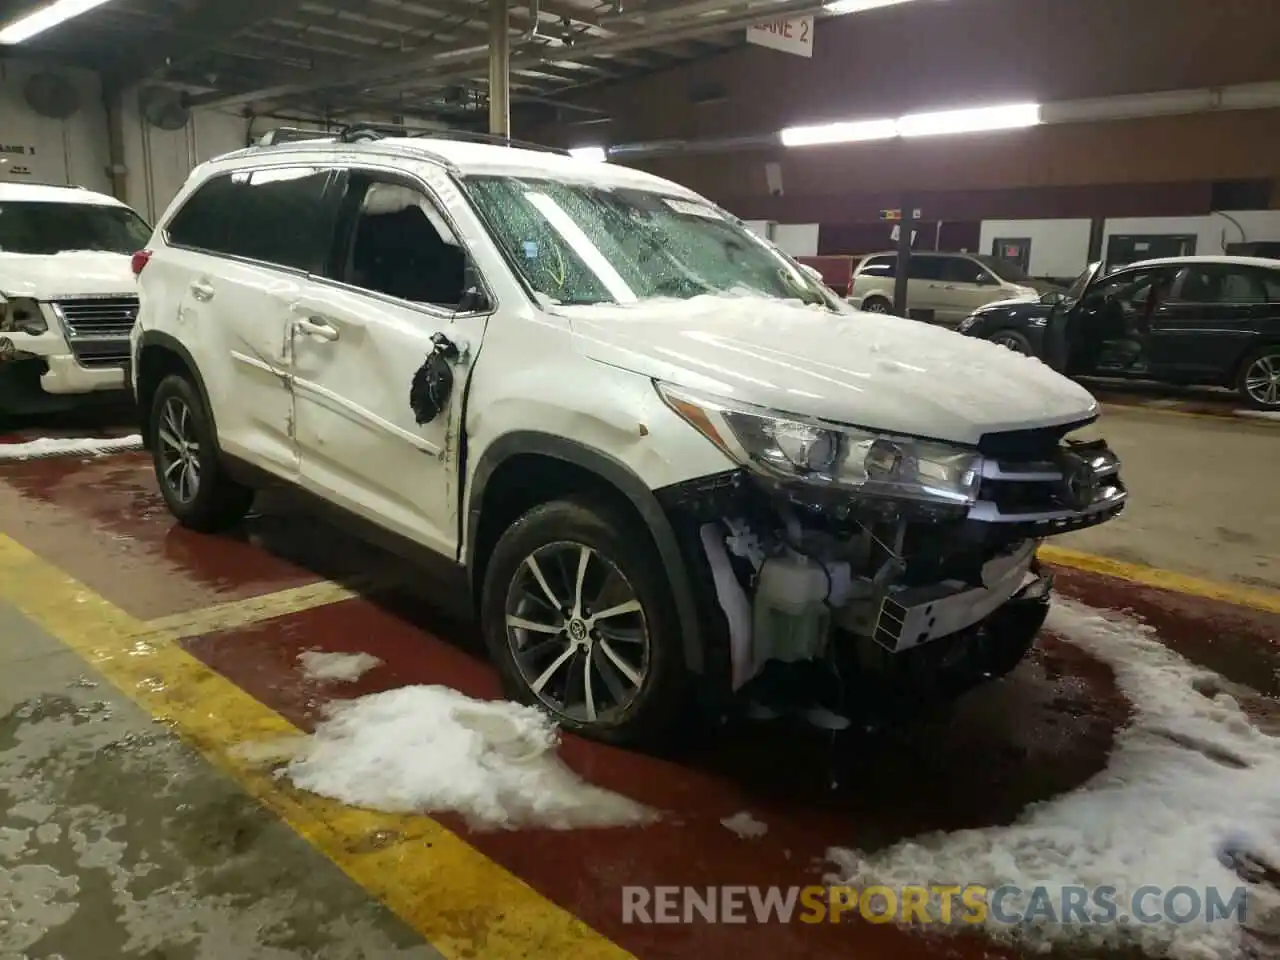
[73, 273]
[863, 369]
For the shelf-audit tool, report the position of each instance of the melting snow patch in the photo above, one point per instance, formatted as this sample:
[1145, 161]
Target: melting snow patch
[430, 749]
[69, 446]
[336, 667]
[745, 826]
[1189, 792]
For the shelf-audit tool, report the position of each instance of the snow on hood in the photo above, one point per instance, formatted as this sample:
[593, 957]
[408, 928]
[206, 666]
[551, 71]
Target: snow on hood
[72, 272]
[864, 369]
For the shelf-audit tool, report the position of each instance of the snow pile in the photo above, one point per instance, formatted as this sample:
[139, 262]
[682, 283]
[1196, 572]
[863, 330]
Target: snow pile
[745, 826]
[336, 667]
[1190, 787]
[69, 446]
[429, 749]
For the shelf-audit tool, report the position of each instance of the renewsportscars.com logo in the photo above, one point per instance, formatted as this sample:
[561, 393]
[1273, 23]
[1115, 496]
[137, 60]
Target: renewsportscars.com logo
[935, 904]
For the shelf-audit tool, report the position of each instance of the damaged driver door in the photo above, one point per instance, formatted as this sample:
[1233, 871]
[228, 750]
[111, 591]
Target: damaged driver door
[382, 348]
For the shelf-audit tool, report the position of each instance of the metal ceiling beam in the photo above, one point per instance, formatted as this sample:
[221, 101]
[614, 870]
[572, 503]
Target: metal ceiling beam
[198, 30]
[448, 64]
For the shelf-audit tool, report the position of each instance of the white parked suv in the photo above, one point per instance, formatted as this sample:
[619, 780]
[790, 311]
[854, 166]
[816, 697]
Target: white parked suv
[651, 453]
[67, 295]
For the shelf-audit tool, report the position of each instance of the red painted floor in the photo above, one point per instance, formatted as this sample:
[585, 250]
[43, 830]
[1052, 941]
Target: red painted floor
[1044, 730]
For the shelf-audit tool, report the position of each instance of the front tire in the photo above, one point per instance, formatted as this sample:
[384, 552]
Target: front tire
[1012, 340]
[185, 453]
[1258, 382]
[579, 620]
[877, 305]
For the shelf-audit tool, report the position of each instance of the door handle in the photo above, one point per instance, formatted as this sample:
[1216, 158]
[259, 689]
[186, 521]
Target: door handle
[202, 291]
[318, 328]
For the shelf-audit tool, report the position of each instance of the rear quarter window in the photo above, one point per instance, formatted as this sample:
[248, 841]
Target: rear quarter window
[279, 215]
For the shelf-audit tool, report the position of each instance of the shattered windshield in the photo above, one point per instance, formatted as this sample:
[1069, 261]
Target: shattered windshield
[588, 244]
[35, 227]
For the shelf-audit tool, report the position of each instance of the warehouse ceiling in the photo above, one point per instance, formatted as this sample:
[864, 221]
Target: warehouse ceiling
[417, 58]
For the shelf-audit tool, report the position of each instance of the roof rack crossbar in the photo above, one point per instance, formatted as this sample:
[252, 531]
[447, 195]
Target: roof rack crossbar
[375, 131]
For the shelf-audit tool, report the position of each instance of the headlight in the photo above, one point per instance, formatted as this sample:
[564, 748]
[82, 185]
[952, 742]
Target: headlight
[967, 323]
[21, 316]
[792, 448]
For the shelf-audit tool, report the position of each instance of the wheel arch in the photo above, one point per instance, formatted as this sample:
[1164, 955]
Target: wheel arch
[523, 468]
[160, 354]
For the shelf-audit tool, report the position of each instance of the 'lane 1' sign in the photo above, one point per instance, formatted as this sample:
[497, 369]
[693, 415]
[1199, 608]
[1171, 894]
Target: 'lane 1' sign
[788, 34]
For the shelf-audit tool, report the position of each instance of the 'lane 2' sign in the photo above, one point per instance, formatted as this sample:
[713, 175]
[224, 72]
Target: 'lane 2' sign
[788, 34]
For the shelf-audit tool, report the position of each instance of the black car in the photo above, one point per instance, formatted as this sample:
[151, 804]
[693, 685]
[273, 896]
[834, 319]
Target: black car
[1183, 320]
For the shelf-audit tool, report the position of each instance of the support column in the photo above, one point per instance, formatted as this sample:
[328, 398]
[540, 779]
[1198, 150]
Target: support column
[906, 226]
[113, 101]
[499, 68]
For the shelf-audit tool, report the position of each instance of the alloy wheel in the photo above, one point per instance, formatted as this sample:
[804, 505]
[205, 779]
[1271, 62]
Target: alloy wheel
[876, 306]
[179, 450]
[1262, 380]
[577, 632]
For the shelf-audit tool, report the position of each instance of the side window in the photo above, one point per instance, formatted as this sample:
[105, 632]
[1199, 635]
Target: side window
[1135, 290]
[1217, 283]
[282, 217]
[925, 267]
[399, 245]
[964, 270]
[1271, 279]
[879, 267]
[204, 221]
[1243, 286]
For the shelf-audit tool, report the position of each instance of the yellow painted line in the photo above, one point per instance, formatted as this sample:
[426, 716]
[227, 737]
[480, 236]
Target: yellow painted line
[1267, 601]
[235, 614]
[461, 902]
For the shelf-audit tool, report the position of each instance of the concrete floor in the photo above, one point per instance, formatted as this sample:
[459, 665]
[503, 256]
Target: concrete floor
[1205, 496]
[117, 840]
[130, 830]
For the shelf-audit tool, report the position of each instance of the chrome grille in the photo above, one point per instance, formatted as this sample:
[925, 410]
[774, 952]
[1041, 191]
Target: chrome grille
[1044, 492]
[98, 317]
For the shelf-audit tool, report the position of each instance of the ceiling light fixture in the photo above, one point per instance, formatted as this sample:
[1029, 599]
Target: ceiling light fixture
[838, 7]
[46, 18]
[974, 120]
[596, 154]
[852, 132]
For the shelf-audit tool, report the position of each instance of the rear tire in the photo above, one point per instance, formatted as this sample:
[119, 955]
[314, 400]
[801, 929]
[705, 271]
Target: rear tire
[1258, 381]
[184, 450]
[632, 662]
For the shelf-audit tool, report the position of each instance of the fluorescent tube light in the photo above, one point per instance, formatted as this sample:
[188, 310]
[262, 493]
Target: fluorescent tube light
[838, 7]
[597, 154]
[851, 132]
[46, 18]
[1007, 117]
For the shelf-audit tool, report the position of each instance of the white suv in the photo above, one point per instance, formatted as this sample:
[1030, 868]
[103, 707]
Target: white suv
[649, 451]
[67, 296]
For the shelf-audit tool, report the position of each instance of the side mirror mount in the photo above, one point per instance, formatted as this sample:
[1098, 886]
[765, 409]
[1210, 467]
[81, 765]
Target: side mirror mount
[474, 299]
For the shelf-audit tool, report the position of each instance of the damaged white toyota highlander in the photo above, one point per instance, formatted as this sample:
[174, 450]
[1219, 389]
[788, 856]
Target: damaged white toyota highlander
[663, 465]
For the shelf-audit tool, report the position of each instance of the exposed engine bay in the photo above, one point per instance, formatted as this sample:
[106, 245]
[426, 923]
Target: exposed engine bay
[869, 583]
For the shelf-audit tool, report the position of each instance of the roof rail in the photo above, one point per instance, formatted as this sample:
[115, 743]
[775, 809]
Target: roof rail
[291, 135]
[357, 133]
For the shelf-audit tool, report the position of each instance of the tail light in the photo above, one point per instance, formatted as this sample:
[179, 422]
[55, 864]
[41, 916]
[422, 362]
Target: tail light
[140, 260]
